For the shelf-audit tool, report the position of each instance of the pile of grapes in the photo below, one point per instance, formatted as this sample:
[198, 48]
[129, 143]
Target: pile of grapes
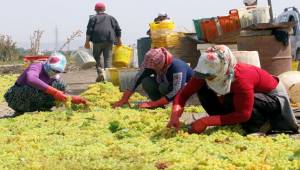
[6, 81]
[129, 138]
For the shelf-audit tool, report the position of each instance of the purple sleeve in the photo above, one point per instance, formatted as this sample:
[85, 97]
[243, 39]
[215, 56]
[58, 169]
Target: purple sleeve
[33, 77]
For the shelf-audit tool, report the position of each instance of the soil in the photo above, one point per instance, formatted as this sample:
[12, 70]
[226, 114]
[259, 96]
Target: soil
[79, 80]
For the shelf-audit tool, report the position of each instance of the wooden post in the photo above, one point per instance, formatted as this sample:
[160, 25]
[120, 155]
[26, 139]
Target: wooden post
[270, 10]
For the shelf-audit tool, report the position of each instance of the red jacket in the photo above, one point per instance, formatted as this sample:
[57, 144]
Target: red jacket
[248, 80]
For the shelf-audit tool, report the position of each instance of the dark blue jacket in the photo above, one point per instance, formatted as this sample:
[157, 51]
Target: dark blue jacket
[177, 75]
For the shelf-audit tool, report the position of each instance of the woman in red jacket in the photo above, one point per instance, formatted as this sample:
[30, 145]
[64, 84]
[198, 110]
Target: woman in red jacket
[233, 93]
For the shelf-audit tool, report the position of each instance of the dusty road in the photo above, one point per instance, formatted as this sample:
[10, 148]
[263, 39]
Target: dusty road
[78, 81]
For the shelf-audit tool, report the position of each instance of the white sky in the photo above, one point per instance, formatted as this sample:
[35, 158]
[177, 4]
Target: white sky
[19, 18]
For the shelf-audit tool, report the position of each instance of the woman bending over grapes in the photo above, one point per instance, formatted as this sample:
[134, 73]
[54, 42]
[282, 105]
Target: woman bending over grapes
[235, 93]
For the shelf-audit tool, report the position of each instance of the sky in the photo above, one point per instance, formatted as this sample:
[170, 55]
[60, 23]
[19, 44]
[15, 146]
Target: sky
[19, 18]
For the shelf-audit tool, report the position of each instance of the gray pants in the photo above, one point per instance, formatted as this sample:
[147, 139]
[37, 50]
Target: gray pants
[104, 48]
[153, 89]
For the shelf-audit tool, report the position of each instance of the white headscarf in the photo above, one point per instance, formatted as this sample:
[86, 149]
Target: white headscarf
[217, 61]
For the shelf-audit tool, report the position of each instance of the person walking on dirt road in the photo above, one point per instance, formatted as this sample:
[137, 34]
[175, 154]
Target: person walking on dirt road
[103, 31]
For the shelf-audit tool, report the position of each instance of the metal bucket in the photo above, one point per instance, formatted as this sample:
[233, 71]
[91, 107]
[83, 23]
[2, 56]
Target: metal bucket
[120, 76]
[274, 56]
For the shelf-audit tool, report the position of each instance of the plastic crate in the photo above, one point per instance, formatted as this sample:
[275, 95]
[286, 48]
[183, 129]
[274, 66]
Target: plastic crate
[198, 29]
[231, 22]
[28, 59]
[84, 58]
[161, 28]
[210, 29]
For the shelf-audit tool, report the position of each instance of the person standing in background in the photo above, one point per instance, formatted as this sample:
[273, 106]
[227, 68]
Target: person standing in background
[162, 16]
[103, 31]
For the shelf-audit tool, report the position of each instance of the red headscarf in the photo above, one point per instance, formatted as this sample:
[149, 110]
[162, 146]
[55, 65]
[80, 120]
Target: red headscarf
[158, 59]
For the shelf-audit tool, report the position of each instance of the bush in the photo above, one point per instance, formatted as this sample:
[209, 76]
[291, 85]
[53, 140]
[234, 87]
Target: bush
[8, 50]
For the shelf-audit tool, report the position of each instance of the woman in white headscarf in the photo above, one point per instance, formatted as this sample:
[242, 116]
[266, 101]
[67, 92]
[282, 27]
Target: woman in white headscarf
[233, 93]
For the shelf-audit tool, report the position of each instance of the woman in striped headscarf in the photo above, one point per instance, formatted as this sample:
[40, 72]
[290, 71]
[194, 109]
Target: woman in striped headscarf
[233, 93]
[161, 75]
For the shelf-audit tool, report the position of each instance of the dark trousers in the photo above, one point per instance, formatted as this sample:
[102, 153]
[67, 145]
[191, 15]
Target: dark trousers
[24, 98]
[153, 89]
[104, 48]
[264, 107]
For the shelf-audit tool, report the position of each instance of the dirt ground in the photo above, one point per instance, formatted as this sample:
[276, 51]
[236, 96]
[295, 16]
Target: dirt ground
[78, 81]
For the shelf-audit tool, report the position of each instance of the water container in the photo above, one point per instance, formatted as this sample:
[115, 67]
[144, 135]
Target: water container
[122, 56]
[254, 15]
[261, 15]
[248, 57]
[84, 58]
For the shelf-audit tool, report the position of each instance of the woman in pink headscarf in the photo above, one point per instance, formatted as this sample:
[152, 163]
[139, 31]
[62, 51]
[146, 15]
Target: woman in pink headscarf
[233, 93]
[161, 75]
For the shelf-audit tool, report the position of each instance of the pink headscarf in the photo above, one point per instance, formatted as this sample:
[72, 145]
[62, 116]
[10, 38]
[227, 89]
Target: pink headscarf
[158, 59]
[218, 61]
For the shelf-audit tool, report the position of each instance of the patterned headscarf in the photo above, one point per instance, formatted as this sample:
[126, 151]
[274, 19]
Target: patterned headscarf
[217, 61]
[56, 63]
[158, 59]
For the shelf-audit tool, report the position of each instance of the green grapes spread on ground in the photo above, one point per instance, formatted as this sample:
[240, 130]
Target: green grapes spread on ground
[6, 81]
[99, 137]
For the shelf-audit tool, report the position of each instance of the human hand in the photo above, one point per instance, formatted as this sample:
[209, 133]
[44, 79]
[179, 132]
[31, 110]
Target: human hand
[145, 105]
[120, 103]
[79, 100]
[57, 94]
[198, 126]
[119, 42]
[124, 100]
[153, 104]
[174, 120]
